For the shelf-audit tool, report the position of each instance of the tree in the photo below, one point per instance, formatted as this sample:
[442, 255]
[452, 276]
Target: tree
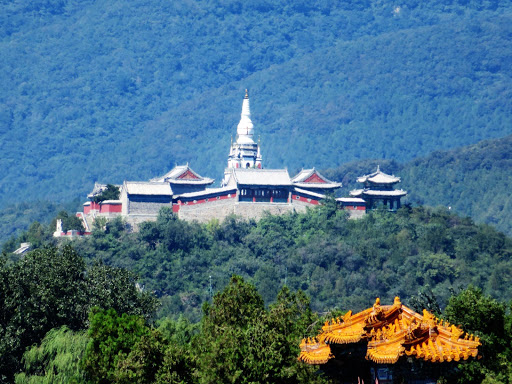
[485, 317]
[111, 287]
[52, 287]
[56, 359]
[42, 291]
[242, 342]
[109, 356]
[111, 192]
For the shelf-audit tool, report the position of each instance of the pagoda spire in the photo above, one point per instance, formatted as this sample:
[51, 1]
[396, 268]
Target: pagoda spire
[245, 127]
[245, 152]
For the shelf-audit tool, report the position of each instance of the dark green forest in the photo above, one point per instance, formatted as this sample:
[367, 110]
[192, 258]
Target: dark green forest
[237, 341]
[107, 91]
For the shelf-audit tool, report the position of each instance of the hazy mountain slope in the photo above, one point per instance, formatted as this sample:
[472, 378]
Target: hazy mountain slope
[16, 218]
[119, 90]
[474, 181]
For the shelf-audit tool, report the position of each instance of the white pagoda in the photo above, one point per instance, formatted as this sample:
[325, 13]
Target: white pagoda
[245, 152]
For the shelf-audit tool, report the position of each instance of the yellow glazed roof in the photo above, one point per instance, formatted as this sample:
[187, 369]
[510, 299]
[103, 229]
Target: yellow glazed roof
[392, 331]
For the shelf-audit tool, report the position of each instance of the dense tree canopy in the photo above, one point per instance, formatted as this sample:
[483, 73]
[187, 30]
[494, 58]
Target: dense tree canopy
[240, 341]
[491, 321]
[338, 262]
[50, 288]
[108, 91]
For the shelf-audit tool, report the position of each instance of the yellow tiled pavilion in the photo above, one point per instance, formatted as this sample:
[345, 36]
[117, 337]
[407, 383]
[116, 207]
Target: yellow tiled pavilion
[392, 331]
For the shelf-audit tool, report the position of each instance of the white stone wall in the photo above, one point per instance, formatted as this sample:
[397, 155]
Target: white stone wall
[135, 220]
[257, 210]
[223, 208]
[147, 205]
[215, 209]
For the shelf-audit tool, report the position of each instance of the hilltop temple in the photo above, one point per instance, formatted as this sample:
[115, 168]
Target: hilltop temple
[388, 344]
[378, 189]
[247, 189]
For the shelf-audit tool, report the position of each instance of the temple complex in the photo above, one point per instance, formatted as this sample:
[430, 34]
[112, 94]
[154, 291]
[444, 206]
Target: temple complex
[390, 343]
[247, 189]
[378, 187]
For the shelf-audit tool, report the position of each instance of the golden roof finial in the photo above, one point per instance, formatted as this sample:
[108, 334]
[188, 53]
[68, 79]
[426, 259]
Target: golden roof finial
[246, 94]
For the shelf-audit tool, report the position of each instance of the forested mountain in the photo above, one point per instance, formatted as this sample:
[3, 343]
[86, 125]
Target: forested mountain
[113, 90]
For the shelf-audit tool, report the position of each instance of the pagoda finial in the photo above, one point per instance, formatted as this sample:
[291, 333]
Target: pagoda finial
[246, 94]
[378, 167]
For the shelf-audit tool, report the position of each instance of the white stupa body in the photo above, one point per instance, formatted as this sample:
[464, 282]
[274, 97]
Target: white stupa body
[245, 152]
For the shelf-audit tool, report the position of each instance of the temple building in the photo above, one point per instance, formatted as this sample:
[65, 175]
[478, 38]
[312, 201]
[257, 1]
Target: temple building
[378, 187]
[183, 179]
[388, 343]
[313, 181]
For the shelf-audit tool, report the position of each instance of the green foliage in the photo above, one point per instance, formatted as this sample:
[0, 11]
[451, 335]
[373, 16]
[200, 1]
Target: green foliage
[487, 318]
[111, 287]
[244, 343]
[121, 349]
[56, 360]
[110, 193]
[425, 299]
[124, 349]
[238, 341]
[339, 263]
[49, 288]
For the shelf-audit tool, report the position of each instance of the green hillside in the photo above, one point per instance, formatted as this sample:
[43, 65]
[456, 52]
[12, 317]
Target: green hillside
[337, 262]
[107, 91]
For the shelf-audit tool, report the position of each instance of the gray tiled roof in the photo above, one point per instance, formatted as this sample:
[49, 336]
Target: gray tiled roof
[306, 192]
[271, 177]
[373, 192]
[379, 177]
[397, 192]
[356, 192]
[350, 200]
[173, 176]
[147, 188]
